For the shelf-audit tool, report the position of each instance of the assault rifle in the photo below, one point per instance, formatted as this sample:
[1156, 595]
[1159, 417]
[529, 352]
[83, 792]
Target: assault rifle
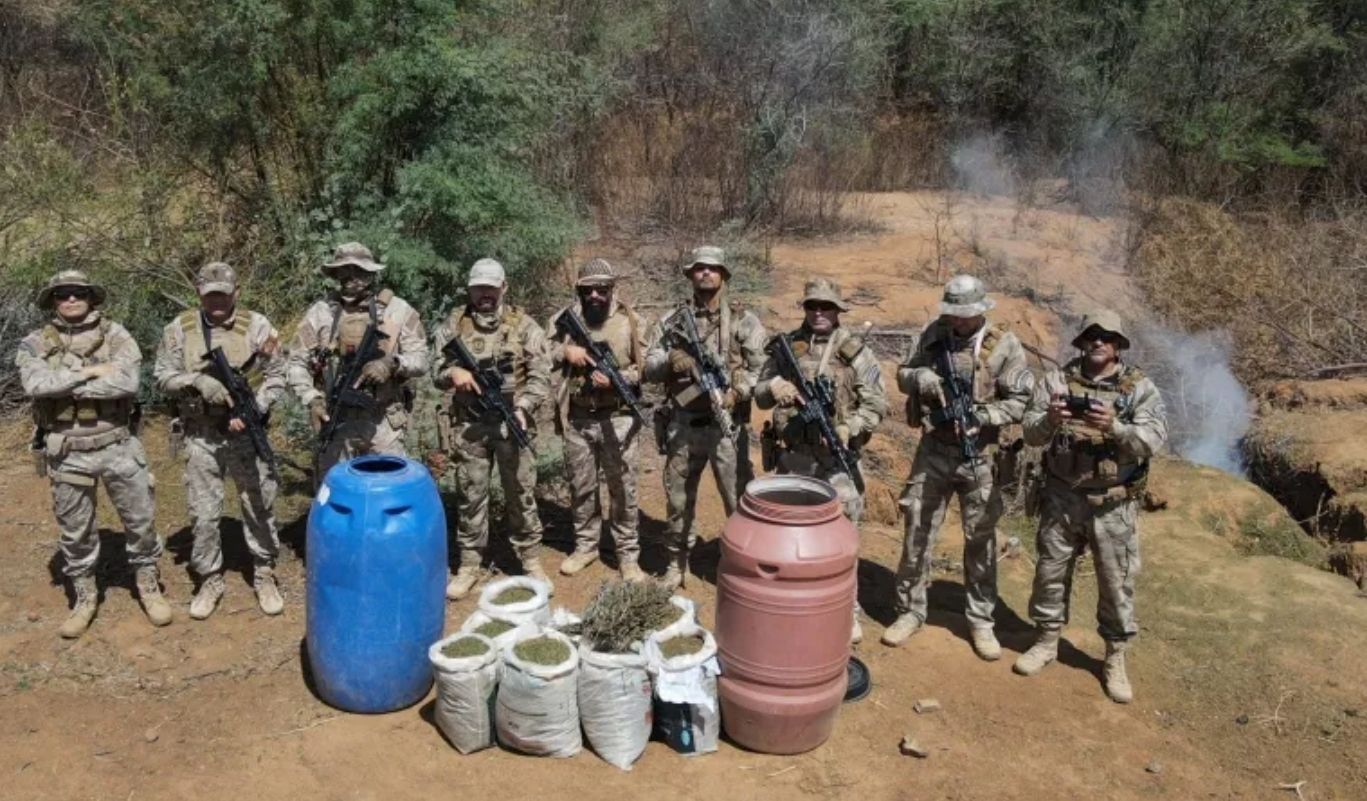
[490, 382]
[244, 404]
[818, 402]
[711, 373]
[603, 361]
[958, 408]
[342, 390]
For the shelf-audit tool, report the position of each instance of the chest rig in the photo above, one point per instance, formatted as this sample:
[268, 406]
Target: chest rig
[498, 347]
[73, 351]
[618, 333]
[716, 331]
[233, 339]
[1084, 456]
[830, 360]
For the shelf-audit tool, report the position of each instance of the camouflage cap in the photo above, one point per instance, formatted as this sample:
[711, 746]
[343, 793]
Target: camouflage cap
[216, 276]
[354, 253]
[70, 278]
[1104, 319]
[965, 296]
[486, 272]
[596, 272]
[710, 255]
[823, 290]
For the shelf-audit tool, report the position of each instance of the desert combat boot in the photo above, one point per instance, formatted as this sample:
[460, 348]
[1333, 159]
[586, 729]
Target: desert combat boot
[985, 644]
[84, 609]
[267, 591]
[1113, 673]
[531, 568]
[631, 571]
[206, 600]
[1044, 651]
[902, 628]
[578, 560]
[149, 594]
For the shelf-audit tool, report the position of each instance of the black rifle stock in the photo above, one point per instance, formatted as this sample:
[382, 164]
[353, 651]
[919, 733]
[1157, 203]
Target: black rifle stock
[490, 382]
[818, 402]
[603, 360]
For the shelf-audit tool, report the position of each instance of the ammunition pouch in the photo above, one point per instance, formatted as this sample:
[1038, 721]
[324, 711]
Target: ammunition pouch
[769, 447]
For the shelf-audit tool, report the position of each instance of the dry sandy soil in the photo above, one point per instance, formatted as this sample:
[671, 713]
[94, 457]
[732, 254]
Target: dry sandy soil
[1249, 670]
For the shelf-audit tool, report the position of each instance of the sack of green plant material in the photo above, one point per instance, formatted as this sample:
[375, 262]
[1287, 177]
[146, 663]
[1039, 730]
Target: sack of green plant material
[686, 619]
[466, 670]
[683, 666]
[517, 599]
[538, 707]
[502, 632]
[615, 704]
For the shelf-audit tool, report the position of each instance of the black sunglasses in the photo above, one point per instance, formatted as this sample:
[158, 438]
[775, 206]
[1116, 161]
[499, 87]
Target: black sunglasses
[818, 306]
[601, 291]
[71, 293]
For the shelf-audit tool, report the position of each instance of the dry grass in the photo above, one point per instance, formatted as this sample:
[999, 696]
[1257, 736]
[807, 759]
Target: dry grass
[1291, 289]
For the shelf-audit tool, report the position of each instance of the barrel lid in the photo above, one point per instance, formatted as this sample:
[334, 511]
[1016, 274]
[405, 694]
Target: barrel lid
[860, 681]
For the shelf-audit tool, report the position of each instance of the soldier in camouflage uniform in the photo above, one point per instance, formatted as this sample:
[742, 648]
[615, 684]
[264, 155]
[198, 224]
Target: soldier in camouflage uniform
[328, 337]
[215, 442]
[988, 362]
[601, 435]
[824, 350]
[504, 336]
[81, 370]
[1095, 466]
[693, 434]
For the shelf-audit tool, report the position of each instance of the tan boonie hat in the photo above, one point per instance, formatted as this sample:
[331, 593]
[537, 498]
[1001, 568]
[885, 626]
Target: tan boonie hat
[823, 290]
[596, 272]
[70, 278]
[965, 296]
[354, 253]
[1106, 320]
[486, 272]
[216, 277]
[710, 255]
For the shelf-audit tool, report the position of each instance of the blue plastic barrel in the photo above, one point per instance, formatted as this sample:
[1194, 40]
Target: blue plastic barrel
[376, 556]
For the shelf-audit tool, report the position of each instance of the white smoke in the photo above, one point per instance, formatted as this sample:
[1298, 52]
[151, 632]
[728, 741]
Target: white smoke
[1209, 411]
[982, 166]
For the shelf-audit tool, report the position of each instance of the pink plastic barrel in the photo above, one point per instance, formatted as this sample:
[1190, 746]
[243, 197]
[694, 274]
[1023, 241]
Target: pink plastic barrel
[785, 597]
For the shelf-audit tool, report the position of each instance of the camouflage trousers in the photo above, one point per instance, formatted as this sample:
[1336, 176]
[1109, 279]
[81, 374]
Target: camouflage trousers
[819, 464]
[1069, 525]
[212, 457]
[479, 447]
[75, 475]
[937, 472]
[604, 450]
[361, 433]
[694, 441]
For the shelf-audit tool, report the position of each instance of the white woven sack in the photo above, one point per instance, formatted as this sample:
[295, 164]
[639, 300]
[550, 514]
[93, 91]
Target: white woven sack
[615, 704]
[538, 706]
[466, 687]
[535, 610]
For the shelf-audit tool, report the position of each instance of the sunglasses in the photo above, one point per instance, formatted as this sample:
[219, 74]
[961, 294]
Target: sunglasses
[819, 307]
[71, 293]
[600, 291]
[711, 268]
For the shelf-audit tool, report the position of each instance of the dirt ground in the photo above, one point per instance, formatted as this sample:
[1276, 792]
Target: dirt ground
[1248, 672]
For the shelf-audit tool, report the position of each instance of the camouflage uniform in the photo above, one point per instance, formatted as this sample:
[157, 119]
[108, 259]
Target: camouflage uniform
[328, 335]
[85, 437]
[601, 434]
[693, 436]
[1093, 480]
[512, 341]
[251, 344]
[860, 404]
[992, 362]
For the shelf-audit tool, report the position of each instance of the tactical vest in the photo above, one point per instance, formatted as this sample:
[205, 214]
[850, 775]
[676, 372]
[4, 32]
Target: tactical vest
[717, 334]
[619, 333]
[1081, 454]
[500, 348]
[838, 367]
[234, 342]
[968, 368]
[349, 325]
[62, 413]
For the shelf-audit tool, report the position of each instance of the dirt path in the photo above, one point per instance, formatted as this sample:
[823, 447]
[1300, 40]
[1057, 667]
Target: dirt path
[220, 708]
